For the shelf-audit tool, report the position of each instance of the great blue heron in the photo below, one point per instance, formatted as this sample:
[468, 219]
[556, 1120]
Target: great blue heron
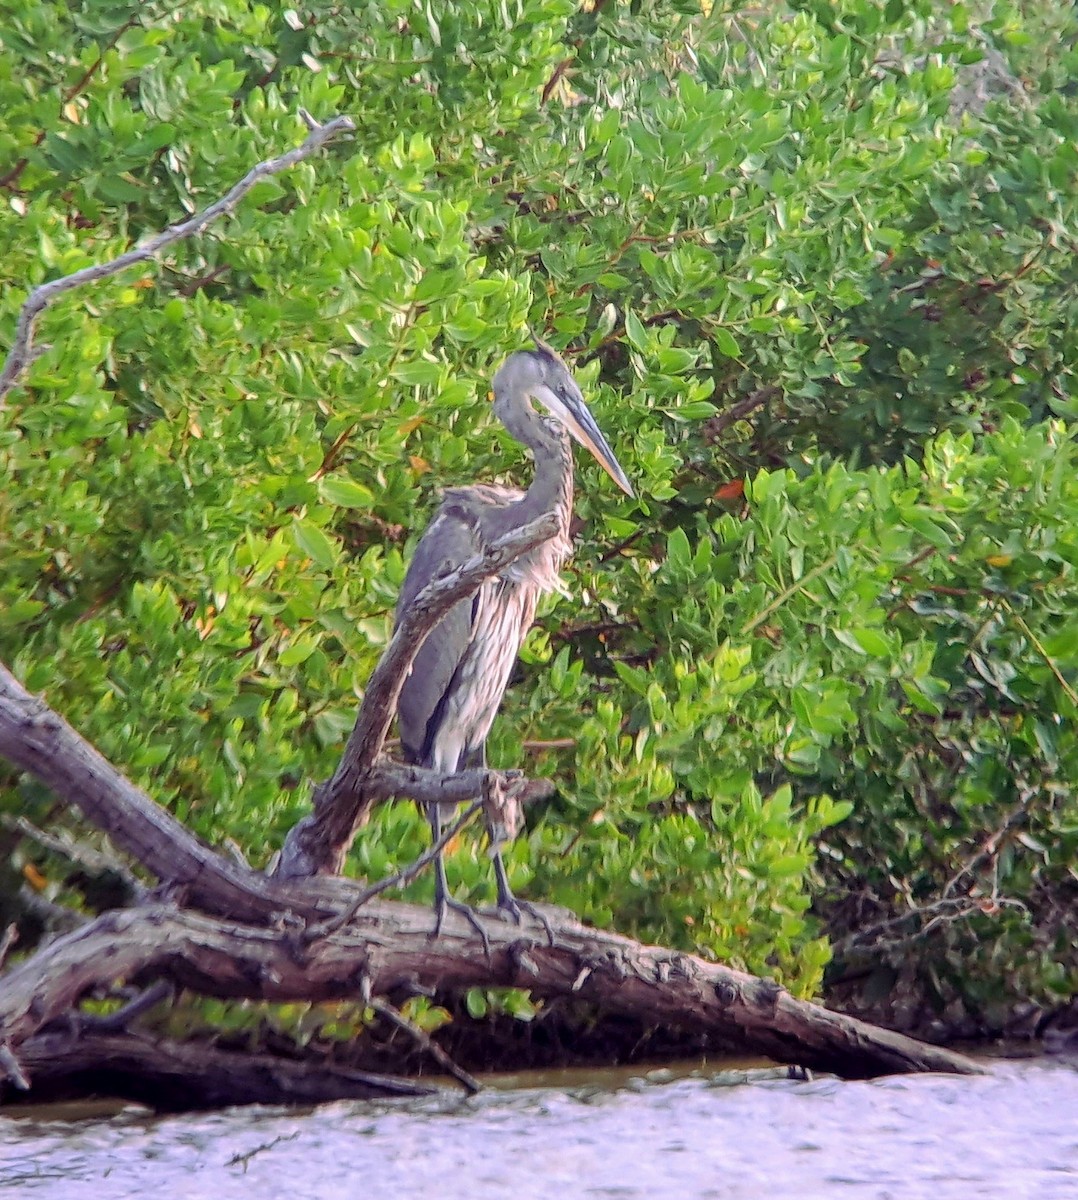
[449, 700]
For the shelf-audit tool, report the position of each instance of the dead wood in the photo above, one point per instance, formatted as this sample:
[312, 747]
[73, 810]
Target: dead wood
[39, 740]
[388, 948]
[426, 1043]
[175, 1076]
[262, 949]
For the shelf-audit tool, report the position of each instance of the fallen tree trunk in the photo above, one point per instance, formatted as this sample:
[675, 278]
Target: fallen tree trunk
[387, 947]
[171, 1075]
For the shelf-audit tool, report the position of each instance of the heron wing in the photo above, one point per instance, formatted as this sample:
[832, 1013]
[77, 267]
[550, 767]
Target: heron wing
[450, 539]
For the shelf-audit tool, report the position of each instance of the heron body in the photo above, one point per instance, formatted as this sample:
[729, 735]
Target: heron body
[449, 700]
[460, 674]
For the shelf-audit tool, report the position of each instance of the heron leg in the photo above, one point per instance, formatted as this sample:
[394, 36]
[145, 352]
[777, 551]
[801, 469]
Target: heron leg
[443, 901]
[512, 906]
[507, 902]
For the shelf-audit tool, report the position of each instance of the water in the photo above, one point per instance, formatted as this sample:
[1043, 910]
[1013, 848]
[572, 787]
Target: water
[1012, 1134]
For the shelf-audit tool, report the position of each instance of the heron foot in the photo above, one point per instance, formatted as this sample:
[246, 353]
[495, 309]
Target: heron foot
[514, 910]
[444, 903]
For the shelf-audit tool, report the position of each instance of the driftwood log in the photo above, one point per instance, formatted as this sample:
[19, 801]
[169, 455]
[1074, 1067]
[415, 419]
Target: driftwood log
[166, 1074]
[217, 928]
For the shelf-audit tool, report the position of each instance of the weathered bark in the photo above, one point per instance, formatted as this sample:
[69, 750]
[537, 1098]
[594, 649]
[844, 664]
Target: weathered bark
[269, 946]
[40, 741]
[275, 955]
[169, 1075]
[388, 947]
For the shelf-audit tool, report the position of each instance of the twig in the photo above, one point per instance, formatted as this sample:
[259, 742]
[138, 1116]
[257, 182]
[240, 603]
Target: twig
[406, 875]
[11, 936]
[742, 409]
[53, 917]
[116, 1022]
[242, 1160]
[424, 785]
[594, 629]
[1039, 647]
[558, 72]
[23, 352]
[470, 1084]
[989, 849]
[11, 1068]
[781, 599]
[939, 912]
[92, 859]
[614, 551]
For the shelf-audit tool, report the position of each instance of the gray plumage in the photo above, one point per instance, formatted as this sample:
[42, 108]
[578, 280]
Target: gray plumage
[450, 698]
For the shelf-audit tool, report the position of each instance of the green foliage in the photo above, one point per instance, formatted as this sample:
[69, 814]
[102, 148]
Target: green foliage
[212, 478]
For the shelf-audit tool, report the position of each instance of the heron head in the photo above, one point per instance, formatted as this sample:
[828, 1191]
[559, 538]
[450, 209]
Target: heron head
[541, 375]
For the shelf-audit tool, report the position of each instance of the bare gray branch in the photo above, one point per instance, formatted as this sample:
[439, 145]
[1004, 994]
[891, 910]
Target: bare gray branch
[22, 351]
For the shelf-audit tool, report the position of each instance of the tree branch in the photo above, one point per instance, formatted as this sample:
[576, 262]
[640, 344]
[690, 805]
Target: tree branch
[23, 353]
[39, 740]
[741, 409]
[313, 932]
[171, 1075]
[470, 1084]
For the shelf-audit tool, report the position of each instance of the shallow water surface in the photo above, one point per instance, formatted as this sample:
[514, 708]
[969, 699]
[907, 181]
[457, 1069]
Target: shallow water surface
[1012, 1133]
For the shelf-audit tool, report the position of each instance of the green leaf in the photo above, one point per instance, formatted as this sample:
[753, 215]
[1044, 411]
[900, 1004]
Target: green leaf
[345, 493]
[314, 543]
[418, 372]
[786, 866]
[635, 331]
[871, 641]
[19, 612]
[475, 1001]
[297, 652]
[726, 342]
[678, 553]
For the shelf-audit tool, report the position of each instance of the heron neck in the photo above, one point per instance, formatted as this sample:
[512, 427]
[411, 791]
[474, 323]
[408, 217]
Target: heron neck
[551, 487]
